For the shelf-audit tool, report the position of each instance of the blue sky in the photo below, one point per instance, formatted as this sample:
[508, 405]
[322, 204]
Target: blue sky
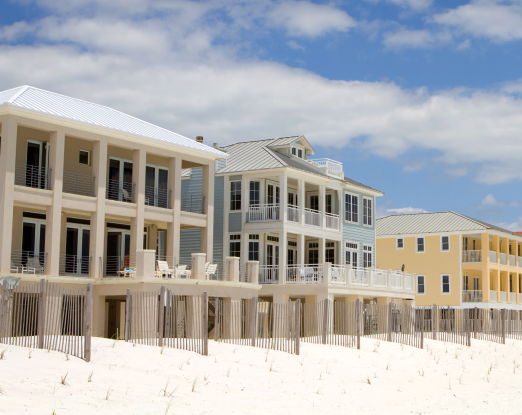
[418, 98]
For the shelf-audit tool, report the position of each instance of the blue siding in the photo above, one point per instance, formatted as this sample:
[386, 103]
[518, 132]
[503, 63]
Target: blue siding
[190, 239]
[219, 183]
[234, 222]
[194, 185]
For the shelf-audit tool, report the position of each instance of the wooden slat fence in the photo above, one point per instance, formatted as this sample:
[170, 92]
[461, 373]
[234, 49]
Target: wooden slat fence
[47, 316]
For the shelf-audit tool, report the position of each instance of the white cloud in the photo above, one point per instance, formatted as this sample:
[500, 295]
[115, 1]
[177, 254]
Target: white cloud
[382, 211]
[416, 5]
[489, 19]
[404, 38]
[489, 201]
[294, 45]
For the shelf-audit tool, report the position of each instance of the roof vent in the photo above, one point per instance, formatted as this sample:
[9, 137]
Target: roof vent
[216, 145]
[199, 139]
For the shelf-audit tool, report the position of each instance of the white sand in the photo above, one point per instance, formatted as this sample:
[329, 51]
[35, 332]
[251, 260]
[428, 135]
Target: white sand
[242, 379]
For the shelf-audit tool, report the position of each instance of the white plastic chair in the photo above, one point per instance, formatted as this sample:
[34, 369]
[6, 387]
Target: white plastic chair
[125, 194]
[211, 270]
[33, 266]
[163, 270]
[14, 268]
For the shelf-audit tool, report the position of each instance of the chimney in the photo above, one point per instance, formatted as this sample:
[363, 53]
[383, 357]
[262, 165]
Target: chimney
[199, 139]
[216, 145]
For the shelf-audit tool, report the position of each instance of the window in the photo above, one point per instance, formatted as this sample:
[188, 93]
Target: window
[300, 153]
[253, 247]
[272, 238]
[367, 211]
[294, 151]
[445, 280]
[351, 203]
[314, 202]
[235, 195]
[400, 243]
[420, 244]
[328, 203]
[444, 243]
[292, 243]
[466, 283]
[475, 246]
[351, 254]
[465, 244]
[254, 193]
[421, 287]
[367, 256]
[235, 244]
[85, 157]
[476, 286]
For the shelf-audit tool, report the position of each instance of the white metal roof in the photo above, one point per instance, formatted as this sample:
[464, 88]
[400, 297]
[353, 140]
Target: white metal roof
[431, 223]
[50, 103]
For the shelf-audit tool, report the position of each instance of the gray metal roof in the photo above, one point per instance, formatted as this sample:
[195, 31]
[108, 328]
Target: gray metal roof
[257, 155]
[431, 223]
[283, 141]
[50, 103]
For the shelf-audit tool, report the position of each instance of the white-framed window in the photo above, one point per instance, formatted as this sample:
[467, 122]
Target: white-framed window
[421, 284]
[465, 244]
[351, 254]
[294, 151]
[476, 284]
[299, 153]
[328, 201]
[420, 244]
[351, 208]
[367, 256]
[292, 243]
[272, 238]
[254, 192]
[235, 195]
[253, 247]
[400, 243]
[445, 243]
[235, 244]
[367, 211]
[465, 281]
[85, 157]
[445, 283]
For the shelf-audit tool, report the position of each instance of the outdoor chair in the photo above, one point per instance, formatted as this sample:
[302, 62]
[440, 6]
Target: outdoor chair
[127, 272]
[14, 269]
[33, 266]
[211, 271]
[163, 270]
[125, 195]
[182, 272]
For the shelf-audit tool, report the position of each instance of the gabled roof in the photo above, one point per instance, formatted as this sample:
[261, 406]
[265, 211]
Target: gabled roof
[286, 141]
[258, 155]
[420, 223]
[88, 113]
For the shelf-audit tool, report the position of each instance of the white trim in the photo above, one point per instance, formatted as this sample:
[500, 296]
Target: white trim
[417, 285]
[441, 244]
[358, 208]
[230, 199]
[442, 284]
[371, 213]
[397, 242]
[417, 244]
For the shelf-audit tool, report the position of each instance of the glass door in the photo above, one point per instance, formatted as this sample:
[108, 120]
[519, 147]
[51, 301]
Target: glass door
[33, 244]
[273, 195]
[77, 250]
[156, 186]
[36, 163]
[118, 251]
[314, 202]
[119, 183]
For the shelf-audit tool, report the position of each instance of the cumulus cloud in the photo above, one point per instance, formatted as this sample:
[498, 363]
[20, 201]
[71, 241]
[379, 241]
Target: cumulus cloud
[404, 38]
[489, 201]
[409, 4]
[383, 211]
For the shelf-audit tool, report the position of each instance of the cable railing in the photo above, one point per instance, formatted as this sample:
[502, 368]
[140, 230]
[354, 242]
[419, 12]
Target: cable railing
[118, 266]
[193, 203]
[472, 256]
[32, 176]
[122, 191]
[74, 265]
[332, 221]
[263, 213]
[312, 217]
[493, 296]
[157, 197]
[512, 261]
[503, 297]
[304, 274]
[78, 184]
[27, 262]
[513, 298]
[293, 213]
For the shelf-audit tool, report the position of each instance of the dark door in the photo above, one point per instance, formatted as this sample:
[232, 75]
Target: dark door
[113, 258]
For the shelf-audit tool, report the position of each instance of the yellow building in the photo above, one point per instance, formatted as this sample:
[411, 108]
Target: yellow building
[458, 261]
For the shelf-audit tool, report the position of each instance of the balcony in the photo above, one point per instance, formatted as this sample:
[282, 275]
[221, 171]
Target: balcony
[78, 184]
[306, 274]
[513, 298]
[157, 197]
[193, 203]
[293, 213]
[492, 257]
[503, 259]
[269, 274]
[332, 221]
[27, 262]
[32, 176]
[119, 190]
[503, 297]
[329, 167]
[312, 217]
[472, 256]
[472, 296]
[512, 261]
[74, 265]
[493, 296]
[263, 213]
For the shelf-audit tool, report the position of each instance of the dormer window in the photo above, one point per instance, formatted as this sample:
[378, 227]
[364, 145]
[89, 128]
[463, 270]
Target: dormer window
[300, 153]
[294, 151]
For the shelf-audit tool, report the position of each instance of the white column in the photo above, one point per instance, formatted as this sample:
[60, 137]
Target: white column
[321, 250]
[53, 219]
[207, 233]
[245, 197]
[232, 268]
[198, 266]
[244, 248]
[340, 208]
[139, 161]
[301, 186]
[301, 249]
[173, 227]
[282, 256]
[322, 205]
[7, 177]
[283, 188]
[97, 229]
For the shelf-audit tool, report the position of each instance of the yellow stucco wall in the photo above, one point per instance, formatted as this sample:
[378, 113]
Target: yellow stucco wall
[432, 263]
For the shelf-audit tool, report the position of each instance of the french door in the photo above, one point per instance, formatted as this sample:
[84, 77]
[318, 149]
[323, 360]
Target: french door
[37, 160]
[119, 183]
[77, 250]
[272, 198]
[118, 251]
[33, 243]
[156, 186]
[272, 261]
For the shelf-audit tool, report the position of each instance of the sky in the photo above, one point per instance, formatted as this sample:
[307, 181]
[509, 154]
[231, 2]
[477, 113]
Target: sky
[421, 99]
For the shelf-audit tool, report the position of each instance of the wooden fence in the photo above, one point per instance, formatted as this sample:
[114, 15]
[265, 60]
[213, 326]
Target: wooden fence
[47, 316]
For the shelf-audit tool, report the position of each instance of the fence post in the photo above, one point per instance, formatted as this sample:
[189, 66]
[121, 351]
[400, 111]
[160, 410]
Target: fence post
[88, 322]
[434, 322]
[216, 319]
[503, 324]
[127, 315]
[390, 321]
[204, 310]
[254, 321]
[325, 320]
[468, 328]
[422, 328]
[41, 315]
[161, 316]
[358, 321]
[475, 322]
[297, 332]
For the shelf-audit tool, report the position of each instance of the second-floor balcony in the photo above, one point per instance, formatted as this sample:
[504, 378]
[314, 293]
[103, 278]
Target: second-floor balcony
[120, 190]
[32, 176]
[472, 296]
[272, 213]
[472, 256]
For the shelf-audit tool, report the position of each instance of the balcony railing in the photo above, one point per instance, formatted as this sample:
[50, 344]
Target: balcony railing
[74, 265]
[263, 213]
[157, 197]
[332, 221]
[360, 276]
[306, 274]
[114, 266]
[122, 191]
[503, 259]
[492, 257]
[193, 203]
[512, 261]
[472, 256]
[503, 297]
[513, 298]
[32, 176]
[379, 278]
[329, 167]
[396, 280]
[78, 184]
[312, 217]
[339, 275]
[493, 296]
[293, 213]
[27, 262]
[269, 274]
[471, 296]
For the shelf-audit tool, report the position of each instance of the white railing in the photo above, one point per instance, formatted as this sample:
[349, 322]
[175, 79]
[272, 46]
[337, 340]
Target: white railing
[339, 273]
[493, 296]
[396, 280]
[472, 256]
[312, 217]
[269, 274]
[471, 296]
[513, 298]
[293, 213]
[379, 278]
[503, 297]
[360, 276]
[329, 167]
[503, 259]
[408, 280]
[306, 274]
[512, 261]
[492, 257]
[332, 221]
[263, 213]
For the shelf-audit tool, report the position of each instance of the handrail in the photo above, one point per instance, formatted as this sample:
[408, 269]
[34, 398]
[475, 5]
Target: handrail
[312, 217]
[264, 213]
[472, 256]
